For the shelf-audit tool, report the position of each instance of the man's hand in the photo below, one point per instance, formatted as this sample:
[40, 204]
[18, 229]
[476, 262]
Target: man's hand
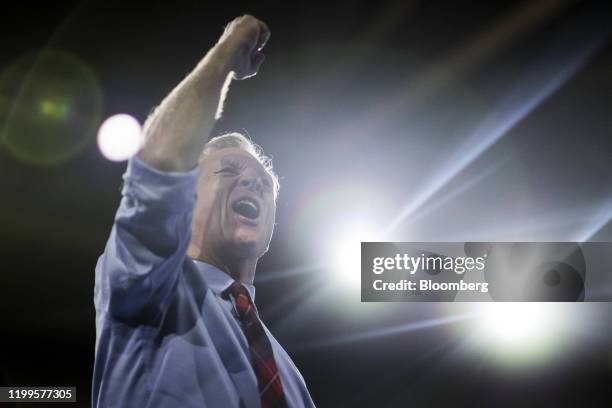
[243, 41]
[176, 132]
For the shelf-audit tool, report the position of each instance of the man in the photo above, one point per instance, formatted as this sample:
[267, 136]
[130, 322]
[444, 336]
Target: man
[175, 319]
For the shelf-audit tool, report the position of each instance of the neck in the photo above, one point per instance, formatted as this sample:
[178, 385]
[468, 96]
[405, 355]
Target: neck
[241, 270]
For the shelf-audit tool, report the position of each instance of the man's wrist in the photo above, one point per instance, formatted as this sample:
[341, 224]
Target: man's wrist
[219, 61]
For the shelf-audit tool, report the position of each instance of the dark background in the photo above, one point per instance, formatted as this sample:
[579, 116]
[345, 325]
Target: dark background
[353, 96]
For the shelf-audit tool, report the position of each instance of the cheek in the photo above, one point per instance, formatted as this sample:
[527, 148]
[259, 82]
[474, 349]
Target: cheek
[210, 206]
[270, 221]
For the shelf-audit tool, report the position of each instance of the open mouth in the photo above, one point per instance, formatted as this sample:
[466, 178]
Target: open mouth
[247, 207]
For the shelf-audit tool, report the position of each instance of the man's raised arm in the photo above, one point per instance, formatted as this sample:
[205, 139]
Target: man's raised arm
[151, 233]
[180, 126]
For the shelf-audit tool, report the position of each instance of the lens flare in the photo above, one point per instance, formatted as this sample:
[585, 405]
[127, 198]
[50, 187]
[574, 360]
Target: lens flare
[50, 106]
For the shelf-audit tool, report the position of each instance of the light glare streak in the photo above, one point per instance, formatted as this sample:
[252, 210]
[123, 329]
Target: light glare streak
[514, 109]
[384, 332]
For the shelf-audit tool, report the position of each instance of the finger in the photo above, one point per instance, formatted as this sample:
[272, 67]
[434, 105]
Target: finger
[264, 35]
[256, 61]
[229, 27]
[234, 22]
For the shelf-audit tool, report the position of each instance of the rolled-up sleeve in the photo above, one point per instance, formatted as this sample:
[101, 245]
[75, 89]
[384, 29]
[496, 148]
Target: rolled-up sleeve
[148, 241]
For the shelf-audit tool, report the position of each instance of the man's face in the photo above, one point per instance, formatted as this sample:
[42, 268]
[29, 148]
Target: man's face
[236, 207]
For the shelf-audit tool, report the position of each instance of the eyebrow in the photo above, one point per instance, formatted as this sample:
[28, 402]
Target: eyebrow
[235, 160]
[230, 159]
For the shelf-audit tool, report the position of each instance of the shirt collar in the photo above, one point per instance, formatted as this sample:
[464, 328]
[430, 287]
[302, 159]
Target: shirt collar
[218, 280]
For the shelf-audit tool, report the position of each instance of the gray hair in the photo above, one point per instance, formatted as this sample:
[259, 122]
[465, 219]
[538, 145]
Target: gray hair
[238, 140]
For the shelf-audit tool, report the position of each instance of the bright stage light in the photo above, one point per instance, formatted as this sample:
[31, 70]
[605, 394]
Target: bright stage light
[346, 256]
[342, 216]
[342, 255]
[521, 334]
[515, 324]
[119, 137]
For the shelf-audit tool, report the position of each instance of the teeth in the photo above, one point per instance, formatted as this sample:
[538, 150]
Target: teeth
[248, 203]
[246, 207]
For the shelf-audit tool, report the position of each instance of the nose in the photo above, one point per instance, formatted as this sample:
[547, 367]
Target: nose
[253, 182]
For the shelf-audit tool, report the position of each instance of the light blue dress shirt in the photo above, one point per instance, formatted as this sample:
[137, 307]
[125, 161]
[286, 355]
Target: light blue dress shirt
[164, 335]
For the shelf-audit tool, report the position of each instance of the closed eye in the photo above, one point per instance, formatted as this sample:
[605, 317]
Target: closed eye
[228, 170]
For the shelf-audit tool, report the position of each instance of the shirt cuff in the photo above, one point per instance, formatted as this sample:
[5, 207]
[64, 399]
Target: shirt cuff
[174, 190]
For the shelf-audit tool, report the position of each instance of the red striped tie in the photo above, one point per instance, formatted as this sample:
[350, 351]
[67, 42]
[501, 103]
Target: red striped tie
[262, 358]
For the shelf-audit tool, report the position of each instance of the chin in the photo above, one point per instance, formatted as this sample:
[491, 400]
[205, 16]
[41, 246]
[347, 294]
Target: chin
[246, 246]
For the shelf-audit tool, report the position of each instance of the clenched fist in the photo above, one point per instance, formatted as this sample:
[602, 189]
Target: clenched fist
[243, 41]
[174, 130]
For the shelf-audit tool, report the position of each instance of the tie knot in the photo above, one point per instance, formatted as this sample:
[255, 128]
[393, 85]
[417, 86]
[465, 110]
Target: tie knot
[241, 298]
